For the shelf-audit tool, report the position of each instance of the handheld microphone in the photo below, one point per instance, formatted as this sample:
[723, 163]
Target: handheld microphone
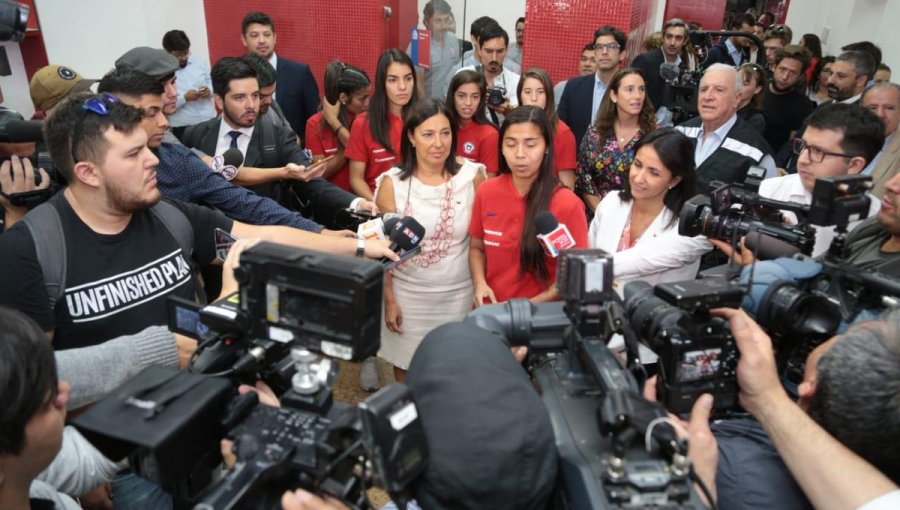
[669, 72]
[554, 237]
[767, 247]
[405, 236]
[228, 163]
[378, 227]
[22, 131]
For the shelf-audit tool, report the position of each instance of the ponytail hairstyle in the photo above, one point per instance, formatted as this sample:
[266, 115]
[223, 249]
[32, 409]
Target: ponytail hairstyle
[341, 78]
[538, 198]
[378, 105]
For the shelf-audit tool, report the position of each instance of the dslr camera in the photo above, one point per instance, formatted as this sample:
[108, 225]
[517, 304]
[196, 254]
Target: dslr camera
[697, 353]
[291, 302]
[496, 95]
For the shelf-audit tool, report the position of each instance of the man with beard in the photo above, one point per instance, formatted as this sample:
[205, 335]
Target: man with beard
[609, 43]
[274, 164]
[785, 105]
[675, 35]
[194, 88]
[493, 43]
[298, 94]
[124, 250]
[734, 50]
[884, 100]
[850, 73]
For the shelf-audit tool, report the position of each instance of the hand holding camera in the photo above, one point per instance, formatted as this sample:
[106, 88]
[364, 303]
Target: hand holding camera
[18, 176]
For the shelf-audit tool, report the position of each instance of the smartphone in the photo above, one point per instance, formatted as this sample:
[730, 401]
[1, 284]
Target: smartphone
[390, 264]
[322, 161]
[224, 241]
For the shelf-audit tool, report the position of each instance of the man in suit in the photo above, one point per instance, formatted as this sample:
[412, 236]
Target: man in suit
[298, 94]
[675, 34]
[850, 73]
[884, 99]
[734, 50]
[609, 43]
[274, 165]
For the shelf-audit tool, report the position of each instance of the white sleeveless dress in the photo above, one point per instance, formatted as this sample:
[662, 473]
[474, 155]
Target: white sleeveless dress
[434, 287]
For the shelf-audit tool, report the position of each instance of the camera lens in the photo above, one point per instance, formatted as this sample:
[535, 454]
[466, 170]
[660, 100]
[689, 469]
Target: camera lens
[788, 310]
[647, 312]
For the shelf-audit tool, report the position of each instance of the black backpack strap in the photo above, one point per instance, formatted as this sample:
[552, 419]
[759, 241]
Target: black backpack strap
[178, 225]
[46, 230]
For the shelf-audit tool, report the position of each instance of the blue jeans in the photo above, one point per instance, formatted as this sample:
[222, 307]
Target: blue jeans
[131, 492]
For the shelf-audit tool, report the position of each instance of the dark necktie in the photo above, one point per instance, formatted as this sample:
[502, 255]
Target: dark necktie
[234, 137]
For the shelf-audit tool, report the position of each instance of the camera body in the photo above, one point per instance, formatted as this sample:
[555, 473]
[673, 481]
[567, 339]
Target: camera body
[496, 95]
[696, 350]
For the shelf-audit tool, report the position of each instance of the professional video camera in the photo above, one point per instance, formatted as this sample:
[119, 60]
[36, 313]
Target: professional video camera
[836, 201]
[13, 20]
[696, 350]
[169, 423]
[616, 448]
[25, 131]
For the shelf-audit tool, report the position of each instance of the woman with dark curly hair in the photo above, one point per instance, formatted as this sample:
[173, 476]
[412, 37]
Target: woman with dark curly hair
[818, 86]
[604, 157]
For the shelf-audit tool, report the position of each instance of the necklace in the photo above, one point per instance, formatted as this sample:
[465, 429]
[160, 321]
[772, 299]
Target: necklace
[437, 246]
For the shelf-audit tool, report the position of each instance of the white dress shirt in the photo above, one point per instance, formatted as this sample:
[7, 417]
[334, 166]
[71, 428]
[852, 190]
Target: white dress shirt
[706, 147]
[223, 141]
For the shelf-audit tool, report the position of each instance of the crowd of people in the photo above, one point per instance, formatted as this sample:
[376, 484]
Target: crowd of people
[473, 147]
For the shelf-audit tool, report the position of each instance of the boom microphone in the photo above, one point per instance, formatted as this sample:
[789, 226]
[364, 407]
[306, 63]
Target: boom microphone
[554, 237]
[669, 71]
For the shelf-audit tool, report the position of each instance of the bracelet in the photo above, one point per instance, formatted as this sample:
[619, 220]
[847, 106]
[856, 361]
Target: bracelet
[360, 247]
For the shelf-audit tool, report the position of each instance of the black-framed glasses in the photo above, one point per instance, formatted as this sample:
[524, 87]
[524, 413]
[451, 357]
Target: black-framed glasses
[816, 155]
[607, 47]
[100, 104]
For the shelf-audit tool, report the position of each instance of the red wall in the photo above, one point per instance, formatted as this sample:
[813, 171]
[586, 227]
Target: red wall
[315, 31]
[708, 13]
[557, 31]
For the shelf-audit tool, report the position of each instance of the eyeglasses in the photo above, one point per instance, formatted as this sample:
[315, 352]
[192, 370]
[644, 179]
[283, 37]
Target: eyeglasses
[816, 155]
[101, 104]
[607, 47]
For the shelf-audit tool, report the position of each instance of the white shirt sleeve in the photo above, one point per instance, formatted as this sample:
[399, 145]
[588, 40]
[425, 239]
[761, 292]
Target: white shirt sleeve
[667, 251]
[889, 501]
[78, 467]
[769, 164]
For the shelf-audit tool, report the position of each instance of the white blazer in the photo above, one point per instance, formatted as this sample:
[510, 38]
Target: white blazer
[660, 255]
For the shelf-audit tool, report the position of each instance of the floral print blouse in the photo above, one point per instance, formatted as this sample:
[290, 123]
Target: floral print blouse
[603, 167]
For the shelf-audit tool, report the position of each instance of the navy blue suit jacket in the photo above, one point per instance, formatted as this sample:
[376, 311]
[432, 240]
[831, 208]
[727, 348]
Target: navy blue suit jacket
[296, 93]
[575, 105]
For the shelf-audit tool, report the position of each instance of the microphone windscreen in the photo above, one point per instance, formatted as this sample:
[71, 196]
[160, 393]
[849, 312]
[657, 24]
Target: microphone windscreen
[390, 222]
[233, 157]
[545, 222]
[767, 247]
[669, 71]
[407, 233]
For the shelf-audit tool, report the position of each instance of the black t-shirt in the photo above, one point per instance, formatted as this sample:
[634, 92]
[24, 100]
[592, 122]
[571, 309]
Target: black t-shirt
[115, 284]
[784, 113]
[863, 248]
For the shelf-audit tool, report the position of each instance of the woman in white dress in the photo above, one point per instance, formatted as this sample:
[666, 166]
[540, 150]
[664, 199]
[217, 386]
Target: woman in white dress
[437, 189]
[639, 224]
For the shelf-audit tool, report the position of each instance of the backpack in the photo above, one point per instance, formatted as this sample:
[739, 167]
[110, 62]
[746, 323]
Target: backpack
[46, 230]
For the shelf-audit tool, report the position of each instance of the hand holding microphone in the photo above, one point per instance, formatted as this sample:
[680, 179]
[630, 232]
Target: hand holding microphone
[553, 236]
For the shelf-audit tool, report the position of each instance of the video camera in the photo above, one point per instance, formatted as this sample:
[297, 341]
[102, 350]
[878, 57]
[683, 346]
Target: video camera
[836, 201]
[26, 131]
[169, 423]
[616, 449]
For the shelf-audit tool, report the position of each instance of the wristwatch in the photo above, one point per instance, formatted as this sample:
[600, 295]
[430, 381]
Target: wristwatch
[360, 247]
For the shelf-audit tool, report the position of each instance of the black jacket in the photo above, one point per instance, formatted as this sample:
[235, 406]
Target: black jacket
[649, 64]
[575, 105]
[296, 93]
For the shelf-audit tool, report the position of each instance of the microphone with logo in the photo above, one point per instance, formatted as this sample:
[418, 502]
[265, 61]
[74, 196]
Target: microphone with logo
[228, 164]
[378, 227]
[405, 235]
[554, 236]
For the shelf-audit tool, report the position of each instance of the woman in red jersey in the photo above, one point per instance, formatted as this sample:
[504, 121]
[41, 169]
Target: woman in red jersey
[476, 137]
[505, 257]
[327, 132]
[536, 89]
[374, 143]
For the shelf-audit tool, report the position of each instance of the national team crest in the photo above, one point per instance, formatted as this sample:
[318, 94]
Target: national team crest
[469, 147]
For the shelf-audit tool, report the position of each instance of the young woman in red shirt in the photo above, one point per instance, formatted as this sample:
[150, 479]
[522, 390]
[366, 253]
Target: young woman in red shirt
[327, 132]
[505, 257]
[536, 89]
[374, 144]
[476, 137]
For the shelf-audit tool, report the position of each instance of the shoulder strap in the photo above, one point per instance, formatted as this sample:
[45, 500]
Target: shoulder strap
[46, 230]
[178, 225]
[268, 145]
